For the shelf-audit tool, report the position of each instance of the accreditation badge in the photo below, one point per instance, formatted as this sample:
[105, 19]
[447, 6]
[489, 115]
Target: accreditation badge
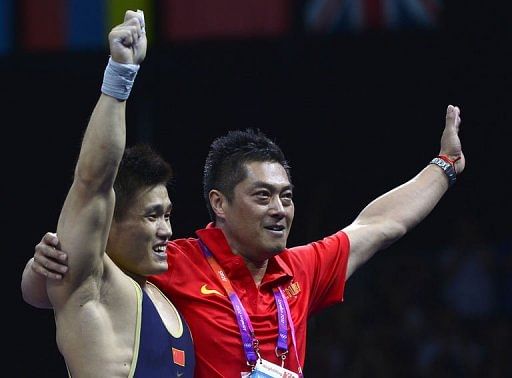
[267, 369]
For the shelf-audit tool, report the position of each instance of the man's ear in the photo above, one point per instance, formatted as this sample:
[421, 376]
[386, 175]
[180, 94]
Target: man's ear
[217, 202]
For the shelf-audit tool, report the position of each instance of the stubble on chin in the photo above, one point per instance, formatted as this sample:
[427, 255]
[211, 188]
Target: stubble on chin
[277, 249]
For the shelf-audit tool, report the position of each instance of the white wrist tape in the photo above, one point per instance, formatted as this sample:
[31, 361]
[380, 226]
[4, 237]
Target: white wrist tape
[118, 79]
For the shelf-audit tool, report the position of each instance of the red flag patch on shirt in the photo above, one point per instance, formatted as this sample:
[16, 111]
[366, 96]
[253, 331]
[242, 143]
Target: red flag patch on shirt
[178, 356]
[292, 290]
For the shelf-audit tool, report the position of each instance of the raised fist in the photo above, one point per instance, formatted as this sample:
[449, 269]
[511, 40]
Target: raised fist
[128, 41]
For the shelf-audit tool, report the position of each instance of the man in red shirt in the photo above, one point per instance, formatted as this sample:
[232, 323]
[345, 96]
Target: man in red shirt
[245, 296]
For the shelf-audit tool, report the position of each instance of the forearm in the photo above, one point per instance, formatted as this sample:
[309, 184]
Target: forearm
[402, 208]
[33, 287]
[103, 144]
[393, 214]
[105, 137]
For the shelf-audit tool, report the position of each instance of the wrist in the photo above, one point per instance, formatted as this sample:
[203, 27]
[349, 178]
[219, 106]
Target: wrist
[448, 167]
[118, 79]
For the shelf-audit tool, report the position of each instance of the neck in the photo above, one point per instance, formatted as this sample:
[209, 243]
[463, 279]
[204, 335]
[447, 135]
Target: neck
[257, 269]
[141, 280]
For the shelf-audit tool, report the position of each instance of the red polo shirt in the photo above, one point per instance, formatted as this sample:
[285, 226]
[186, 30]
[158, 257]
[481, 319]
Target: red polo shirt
[312, 277]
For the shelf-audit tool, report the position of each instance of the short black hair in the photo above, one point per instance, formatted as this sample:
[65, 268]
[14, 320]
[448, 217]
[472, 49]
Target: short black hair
[141, 167]
[225, 164]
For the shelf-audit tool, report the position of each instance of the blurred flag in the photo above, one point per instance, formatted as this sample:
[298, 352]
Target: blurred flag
[58, 25]
[42, 24]
[332, 16]
[235, 19]
[86, 26]
[64, 25]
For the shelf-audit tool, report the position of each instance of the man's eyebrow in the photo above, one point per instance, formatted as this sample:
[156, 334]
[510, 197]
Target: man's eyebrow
[158, 207]
[266, 185]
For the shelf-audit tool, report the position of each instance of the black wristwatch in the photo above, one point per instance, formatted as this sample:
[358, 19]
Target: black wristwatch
[448, 168]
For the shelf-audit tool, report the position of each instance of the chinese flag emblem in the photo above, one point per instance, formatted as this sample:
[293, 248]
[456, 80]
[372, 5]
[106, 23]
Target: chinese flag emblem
[178, 356]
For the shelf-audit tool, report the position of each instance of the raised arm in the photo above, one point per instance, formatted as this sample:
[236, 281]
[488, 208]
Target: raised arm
[390, 216]
[85, 218]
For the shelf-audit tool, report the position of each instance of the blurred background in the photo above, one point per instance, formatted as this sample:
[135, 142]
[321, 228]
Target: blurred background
[354, 91]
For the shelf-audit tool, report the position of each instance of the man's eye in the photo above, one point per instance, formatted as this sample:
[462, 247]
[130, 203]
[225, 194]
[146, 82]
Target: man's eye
[287, 195]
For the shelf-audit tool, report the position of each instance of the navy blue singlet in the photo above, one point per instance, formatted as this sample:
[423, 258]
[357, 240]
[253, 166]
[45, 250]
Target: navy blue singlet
[160, 354]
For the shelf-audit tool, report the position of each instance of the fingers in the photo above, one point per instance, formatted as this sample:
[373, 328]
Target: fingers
[453, 117]
[50, 238]
[134, 23]
[48, 246]
[127, 41]
[142, 20]
[47, 260]
[450, 141]
[139, 14]
[127, 33]
[47, 267]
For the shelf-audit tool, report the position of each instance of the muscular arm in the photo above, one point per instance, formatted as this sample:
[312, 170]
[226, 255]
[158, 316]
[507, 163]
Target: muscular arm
[390, 216]
[84, 221]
